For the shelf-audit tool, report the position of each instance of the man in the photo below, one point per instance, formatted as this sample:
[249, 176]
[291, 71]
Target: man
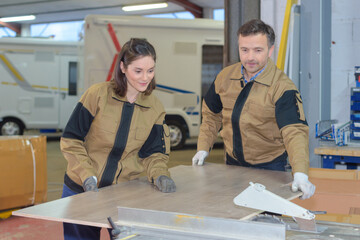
[260, 111]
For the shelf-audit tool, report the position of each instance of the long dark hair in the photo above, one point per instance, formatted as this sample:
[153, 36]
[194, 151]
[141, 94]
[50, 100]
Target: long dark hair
[132, 50]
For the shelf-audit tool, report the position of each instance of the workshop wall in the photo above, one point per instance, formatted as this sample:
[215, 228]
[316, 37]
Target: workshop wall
[345, 55]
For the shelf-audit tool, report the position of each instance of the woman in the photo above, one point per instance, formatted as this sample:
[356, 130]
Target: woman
[116, 132]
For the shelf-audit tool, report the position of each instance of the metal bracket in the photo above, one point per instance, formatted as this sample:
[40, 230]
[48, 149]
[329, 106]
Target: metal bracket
[256, 196]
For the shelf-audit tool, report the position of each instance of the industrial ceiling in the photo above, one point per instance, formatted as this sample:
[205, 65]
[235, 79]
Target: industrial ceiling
[72, 10]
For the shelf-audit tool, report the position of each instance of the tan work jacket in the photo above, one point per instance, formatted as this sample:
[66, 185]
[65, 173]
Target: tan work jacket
[260, 120]
[115, 140]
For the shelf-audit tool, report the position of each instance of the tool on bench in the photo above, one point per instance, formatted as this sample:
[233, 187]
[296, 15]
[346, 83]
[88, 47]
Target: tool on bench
[256, 196]
[115, 230]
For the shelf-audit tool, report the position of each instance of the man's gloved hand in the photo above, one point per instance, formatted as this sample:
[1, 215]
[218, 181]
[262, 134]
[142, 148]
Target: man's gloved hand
[90, 184]
[165, 184]
[302, 183]
[199, 157]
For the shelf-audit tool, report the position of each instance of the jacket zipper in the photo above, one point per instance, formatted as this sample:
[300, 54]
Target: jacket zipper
[117, 177]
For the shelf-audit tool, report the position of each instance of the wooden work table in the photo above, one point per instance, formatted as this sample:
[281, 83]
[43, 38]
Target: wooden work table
[206, 190]
[330, 155]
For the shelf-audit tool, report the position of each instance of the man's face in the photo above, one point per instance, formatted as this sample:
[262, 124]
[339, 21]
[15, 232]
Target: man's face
[254, 52]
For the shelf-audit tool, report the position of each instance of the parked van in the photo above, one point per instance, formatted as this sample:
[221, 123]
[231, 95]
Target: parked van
[39, 83]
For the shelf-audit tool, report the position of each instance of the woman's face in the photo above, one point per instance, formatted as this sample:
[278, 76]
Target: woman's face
[139, 73]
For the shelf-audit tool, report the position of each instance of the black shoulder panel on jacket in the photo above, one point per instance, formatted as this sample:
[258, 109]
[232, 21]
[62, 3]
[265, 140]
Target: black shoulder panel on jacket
[213, 100]
[155, 142]
[286, 110]
[79, 123]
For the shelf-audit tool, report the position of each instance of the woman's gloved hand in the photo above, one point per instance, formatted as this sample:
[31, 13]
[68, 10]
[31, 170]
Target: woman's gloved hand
[90, 184]
[165, 184]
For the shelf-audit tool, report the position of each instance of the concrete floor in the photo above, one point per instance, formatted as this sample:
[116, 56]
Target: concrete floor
[56, 163]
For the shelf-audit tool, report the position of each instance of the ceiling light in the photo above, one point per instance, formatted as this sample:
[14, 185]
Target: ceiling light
[17, 19]
[144, 7]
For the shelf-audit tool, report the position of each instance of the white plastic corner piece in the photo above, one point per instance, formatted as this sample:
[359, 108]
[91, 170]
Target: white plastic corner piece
[257, 197]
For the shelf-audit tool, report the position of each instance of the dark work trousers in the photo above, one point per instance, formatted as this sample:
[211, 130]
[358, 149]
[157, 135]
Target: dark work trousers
[77, 231]
[278, 164]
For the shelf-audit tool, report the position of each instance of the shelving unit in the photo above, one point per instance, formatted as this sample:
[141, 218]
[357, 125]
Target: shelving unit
[355, 114]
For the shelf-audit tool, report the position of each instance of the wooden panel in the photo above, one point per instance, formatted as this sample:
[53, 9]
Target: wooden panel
[338, 197]
[339, 151]
[341, 174]
[206, 190]
[341, 218]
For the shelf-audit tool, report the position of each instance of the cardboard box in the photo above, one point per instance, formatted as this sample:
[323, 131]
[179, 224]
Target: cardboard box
[23, 178]
[337, 193]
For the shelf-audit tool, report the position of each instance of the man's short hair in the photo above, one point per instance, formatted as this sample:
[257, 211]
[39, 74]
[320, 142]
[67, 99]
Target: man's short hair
[256, 26]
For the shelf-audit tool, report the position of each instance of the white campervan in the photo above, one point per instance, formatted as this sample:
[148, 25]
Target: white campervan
[39, 83]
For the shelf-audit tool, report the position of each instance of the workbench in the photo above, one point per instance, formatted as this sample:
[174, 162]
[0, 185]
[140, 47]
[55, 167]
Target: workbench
[330, 155]
[203, 192]
[200, 190]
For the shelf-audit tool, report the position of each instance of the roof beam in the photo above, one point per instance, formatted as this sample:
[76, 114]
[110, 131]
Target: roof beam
[195, 10]
[13, 26]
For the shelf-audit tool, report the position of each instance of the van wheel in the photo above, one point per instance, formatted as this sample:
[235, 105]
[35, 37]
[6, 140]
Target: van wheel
[177, 134]
[11, 127]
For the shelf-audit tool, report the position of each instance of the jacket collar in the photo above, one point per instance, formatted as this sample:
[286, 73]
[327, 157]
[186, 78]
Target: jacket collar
[263, 78]
[142, 100]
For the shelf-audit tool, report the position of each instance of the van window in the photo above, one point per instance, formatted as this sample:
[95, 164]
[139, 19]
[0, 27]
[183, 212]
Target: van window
[72, 78]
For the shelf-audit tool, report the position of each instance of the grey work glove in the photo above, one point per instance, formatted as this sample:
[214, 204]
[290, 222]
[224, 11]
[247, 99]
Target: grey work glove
[90, 184]
[165, 184]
